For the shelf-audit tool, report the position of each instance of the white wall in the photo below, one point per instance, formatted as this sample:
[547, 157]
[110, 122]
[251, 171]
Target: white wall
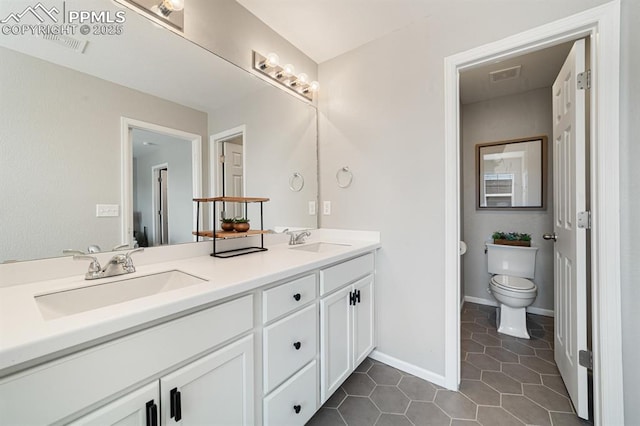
[72, 167]
[381, 113]
[509, 117]
[630, 204]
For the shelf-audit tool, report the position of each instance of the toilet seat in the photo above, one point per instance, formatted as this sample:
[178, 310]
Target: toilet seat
[511, 283]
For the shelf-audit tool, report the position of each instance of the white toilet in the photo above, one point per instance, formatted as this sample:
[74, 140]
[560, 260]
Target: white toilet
[510, 267]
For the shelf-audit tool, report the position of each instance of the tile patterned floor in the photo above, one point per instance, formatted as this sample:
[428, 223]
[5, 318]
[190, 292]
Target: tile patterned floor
[505, 381]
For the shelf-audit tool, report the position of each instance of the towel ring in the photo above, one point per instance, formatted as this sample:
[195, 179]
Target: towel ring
[296, 182]
[344, 177]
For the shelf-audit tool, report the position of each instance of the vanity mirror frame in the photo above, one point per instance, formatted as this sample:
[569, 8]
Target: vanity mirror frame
[542, 148]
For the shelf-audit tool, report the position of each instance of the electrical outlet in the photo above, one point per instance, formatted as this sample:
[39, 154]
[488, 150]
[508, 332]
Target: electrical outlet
[312, 208]
[326, 208]
[107, 210]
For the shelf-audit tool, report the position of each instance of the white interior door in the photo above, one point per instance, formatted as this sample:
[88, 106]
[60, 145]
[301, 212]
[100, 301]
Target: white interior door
[570, 247]
[234, 174]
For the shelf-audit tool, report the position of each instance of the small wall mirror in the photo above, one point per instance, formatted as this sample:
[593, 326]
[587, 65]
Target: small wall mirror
[512, 174]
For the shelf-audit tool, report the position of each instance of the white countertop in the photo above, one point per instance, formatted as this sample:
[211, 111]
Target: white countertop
[26, 336]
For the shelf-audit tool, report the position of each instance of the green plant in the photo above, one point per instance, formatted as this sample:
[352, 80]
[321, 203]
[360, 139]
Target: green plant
[228, 220]
[241, 220]
[511, 236]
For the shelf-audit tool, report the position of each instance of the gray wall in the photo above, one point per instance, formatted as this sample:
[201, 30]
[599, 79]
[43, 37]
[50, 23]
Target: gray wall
[509, 117]
[74, 152]
[390, 131]
[630, 204]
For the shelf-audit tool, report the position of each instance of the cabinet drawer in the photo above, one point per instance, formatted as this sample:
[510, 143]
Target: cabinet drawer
[344, 273]
[288, 345]
[91, 375]
[295, 401]
[287, 297]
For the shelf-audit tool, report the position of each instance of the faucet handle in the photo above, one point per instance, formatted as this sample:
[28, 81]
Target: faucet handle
[94, 270]
[130, 252]
[128, 263]
[119, 247]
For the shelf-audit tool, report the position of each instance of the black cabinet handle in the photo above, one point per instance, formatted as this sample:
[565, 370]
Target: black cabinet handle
[297, 345]
[176, 404]
[152, 413]
[357, 297]
[297, 408]
[297, 297]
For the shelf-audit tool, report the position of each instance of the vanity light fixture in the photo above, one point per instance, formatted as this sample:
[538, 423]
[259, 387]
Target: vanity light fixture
[269, 66]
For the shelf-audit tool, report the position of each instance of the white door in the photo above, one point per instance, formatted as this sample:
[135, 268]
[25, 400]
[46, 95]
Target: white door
[234, 175]
[570, 246]
[216, 390]
[336, 344]
[138, 408]
[363, 334]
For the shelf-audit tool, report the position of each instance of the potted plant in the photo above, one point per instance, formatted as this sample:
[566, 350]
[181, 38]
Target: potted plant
[227, 224]
[512, 238]
[241, 224]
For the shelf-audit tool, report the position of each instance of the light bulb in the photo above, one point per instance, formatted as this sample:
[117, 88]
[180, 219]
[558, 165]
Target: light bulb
[176, 4]
[302, 78]
[272, 60]
[314, 86]
[168, 6]
[288, 70]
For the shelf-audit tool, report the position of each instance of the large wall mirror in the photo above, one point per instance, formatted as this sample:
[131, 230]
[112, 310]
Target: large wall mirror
[512, 174]
[86, 134]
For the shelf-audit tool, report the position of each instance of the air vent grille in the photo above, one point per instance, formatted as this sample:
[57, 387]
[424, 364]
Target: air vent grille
[66, 41]
[505, 74]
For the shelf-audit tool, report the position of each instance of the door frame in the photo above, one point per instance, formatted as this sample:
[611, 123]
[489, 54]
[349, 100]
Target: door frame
[602, 25]
[214, 152]
[155, 195]
[126, 160]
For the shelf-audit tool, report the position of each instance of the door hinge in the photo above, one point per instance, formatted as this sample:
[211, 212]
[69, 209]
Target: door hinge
[584, 220]
[585, 359]
[584, 80]
[221, 158]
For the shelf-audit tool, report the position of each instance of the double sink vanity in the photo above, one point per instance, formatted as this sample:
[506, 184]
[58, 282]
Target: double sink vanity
[259, 339]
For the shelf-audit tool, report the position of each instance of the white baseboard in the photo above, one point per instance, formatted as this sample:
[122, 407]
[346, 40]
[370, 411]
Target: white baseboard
[488, 302]
[427, 375]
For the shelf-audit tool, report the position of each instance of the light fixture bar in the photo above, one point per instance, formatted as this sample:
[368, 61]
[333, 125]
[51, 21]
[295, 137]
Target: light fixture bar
[284, 75]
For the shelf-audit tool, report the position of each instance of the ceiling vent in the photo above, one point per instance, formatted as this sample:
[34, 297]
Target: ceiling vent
[505, 74]
[66, 41]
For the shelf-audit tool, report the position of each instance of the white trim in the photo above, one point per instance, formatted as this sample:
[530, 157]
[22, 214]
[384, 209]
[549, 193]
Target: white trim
[602, 24]
[530, 309]
[126, 157]
[427, 375]
[215, 187]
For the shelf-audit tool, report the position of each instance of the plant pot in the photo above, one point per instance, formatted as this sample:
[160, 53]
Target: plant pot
[513, 243]
[227, 226]
[241, 226]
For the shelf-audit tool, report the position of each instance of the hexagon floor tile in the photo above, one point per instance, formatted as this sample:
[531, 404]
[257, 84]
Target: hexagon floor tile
[505, 381]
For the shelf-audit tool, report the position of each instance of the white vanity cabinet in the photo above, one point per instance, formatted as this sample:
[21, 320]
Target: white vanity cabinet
[290, 351]
[346, 320]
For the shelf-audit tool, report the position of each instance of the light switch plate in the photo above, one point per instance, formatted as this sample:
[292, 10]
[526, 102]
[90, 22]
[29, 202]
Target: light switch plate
[312, 208]
[326, 208]
[107, 210]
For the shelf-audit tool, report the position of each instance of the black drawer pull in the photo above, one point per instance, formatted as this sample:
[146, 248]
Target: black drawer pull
[297, 408]
[176, 405]
[152, 413]
[297, 345]
[297, 297]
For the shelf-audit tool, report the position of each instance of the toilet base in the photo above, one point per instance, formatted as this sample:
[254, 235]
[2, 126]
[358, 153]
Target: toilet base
[512, 321]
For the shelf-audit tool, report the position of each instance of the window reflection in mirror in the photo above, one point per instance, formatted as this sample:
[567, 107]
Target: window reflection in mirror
[512, 174]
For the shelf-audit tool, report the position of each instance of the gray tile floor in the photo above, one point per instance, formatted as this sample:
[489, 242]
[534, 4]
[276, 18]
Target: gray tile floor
[505, 381]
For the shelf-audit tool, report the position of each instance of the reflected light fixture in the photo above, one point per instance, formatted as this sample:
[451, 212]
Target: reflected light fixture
[167, 6]
[269, 66]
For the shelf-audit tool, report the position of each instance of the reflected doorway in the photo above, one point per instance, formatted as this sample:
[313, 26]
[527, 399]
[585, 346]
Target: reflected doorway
[227, 161]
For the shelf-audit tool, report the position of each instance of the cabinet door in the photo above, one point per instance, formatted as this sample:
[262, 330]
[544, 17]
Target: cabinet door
[363, 331]
[337, 346]
[138, 408]
[214, 390]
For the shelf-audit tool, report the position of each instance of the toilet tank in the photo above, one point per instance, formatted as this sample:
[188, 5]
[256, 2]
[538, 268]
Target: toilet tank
[511, 260]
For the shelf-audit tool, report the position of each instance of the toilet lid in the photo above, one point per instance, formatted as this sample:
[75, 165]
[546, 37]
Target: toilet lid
[515, 283]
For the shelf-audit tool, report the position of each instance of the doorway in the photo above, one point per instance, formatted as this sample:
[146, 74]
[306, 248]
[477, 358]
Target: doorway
[227, 165]
[160, 196]
[601, 23]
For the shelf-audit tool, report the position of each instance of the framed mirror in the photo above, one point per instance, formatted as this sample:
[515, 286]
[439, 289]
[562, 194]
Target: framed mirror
[512, 174]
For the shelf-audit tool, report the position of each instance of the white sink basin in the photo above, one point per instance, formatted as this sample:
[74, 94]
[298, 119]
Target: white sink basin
[320, 247]
[69, 302]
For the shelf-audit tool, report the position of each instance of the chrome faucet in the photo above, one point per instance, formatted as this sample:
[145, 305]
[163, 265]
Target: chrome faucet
[118, 265]
[298, 238]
